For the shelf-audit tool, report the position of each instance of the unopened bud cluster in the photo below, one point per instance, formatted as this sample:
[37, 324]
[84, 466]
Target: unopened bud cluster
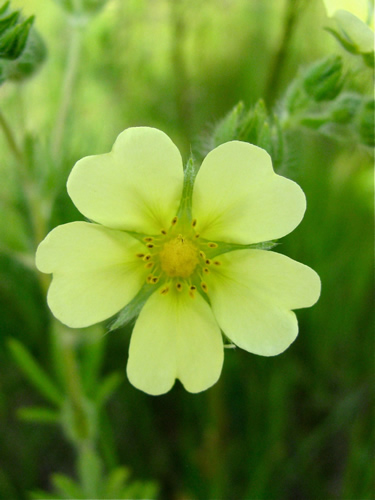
[21, 48]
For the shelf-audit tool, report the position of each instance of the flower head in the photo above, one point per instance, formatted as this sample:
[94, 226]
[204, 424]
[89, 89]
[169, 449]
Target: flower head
[184, 248]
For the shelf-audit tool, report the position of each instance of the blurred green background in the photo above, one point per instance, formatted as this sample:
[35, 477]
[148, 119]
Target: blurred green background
[297, 426]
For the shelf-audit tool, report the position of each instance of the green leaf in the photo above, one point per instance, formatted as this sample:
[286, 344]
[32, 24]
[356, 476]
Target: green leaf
[92, 357]
[34, 372]
[90, 470]
[39, 415]
[107, 387]
[116, 482]
[42, 495]
[66, 487]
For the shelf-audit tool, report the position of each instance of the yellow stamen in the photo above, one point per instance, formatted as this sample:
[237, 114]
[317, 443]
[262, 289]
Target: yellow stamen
[179, 257]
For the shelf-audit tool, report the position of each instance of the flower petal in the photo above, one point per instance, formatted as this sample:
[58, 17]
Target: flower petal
[175, 336]
[136, 187]
[238, 198]
[359, 8]
[252, 293]
[356, 31]
[95, 272]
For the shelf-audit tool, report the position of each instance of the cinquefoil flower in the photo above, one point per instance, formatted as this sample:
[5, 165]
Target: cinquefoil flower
[188, 251]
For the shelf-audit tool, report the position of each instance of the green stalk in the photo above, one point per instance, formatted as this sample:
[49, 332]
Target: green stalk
[293, 11]
[10, 138]
[71, 70]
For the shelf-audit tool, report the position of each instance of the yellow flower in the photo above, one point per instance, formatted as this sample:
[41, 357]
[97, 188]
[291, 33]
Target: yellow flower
[354, 19]
[189, 250]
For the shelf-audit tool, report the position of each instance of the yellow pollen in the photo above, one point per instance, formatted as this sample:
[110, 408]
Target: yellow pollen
[179, 257]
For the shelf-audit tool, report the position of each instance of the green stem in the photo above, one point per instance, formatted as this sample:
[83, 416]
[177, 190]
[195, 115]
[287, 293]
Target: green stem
[181, 79]
[10, 138]
[68, 364]
[71, 70]
[293, 11]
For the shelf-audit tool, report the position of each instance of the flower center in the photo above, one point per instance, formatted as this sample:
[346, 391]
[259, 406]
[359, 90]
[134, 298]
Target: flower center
[179, 257]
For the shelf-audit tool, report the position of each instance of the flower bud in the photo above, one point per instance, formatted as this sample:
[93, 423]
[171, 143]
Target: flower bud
[13, 36]
[21, 49]
[345, 108]
[323, 81]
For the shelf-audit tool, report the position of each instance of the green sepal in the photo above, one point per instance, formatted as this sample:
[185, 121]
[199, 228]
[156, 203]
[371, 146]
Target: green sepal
[8, 22]
[4, 8]
[223, 247]
[13, 41]
[134, 307]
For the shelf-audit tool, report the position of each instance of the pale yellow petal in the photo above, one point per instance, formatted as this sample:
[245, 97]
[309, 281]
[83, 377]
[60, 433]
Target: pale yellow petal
[175, 336]
[238, 198]
[252, 294]
[95, 272]
[355, 30]
[136, 187]
[359, 8]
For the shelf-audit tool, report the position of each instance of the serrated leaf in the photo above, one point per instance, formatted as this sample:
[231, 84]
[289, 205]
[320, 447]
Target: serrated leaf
[34, 372]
